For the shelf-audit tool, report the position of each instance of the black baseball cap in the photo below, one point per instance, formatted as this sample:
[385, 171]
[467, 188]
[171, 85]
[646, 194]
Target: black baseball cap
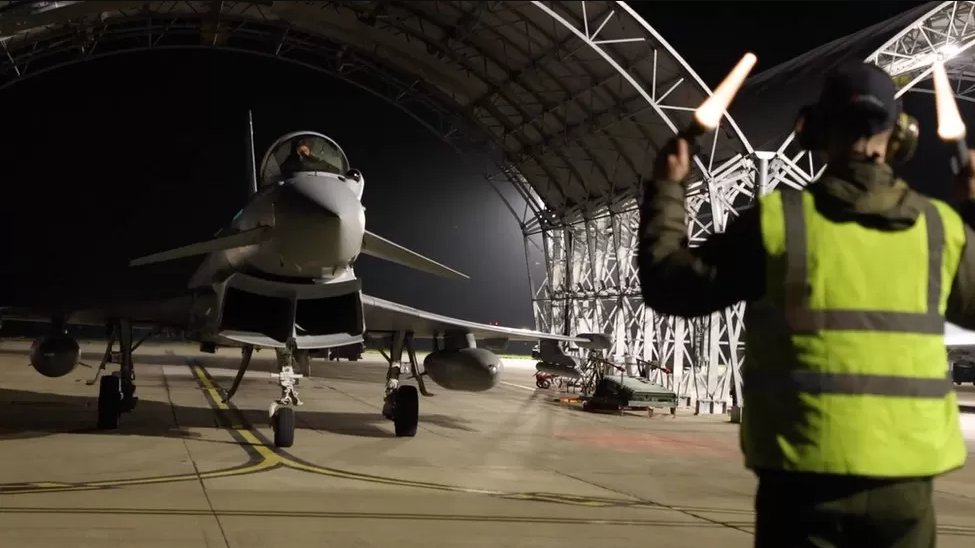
[862, 97]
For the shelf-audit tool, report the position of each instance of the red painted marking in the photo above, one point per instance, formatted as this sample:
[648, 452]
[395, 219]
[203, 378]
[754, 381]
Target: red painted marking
[652, 442]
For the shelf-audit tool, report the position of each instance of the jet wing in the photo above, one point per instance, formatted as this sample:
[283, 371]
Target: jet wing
[381, 248]
[157, 313]
[957, 337]
[380, 316]
[383, 315]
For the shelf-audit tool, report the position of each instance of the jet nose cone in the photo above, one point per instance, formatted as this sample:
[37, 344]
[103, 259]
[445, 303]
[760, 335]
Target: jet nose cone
[319, 223]
[332, 197]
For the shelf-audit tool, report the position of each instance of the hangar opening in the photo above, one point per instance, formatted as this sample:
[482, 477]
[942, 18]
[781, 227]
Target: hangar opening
[570, 100]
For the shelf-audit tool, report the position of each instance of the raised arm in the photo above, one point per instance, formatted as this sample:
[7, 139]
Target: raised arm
[678, 280]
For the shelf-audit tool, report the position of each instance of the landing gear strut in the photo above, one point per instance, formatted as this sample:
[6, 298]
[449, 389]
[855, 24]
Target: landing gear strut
[112, 356]
[116, 392]
[282, 411]
[245, 361]
[401, 403]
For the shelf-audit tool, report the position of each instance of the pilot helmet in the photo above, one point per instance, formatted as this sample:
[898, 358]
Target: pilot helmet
[306, 148]
[314, 153]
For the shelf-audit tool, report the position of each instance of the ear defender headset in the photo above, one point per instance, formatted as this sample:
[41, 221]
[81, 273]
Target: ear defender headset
[903, 140]
[813, 121]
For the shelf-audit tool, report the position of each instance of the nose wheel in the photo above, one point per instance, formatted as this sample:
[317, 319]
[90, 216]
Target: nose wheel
[283, 424]
[281, 412]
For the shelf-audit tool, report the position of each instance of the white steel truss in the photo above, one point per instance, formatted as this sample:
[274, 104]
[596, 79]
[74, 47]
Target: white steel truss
[946, 32]
[591, 282]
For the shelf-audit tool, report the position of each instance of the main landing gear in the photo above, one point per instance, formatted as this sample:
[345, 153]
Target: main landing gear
[400, 405]
[402, 402]
[116, 392]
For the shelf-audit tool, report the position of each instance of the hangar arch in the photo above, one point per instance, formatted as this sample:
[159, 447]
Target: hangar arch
[569, 99]
[906, 46]
[911, 43]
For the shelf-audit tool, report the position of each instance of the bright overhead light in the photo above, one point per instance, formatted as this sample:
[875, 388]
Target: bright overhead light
[948, 51]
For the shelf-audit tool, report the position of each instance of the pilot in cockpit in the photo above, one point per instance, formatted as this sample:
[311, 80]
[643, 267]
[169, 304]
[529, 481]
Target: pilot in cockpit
[307, 154]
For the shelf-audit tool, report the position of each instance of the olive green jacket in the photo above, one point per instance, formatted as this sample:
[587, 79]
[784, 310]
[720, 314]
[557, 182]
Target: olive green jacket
[730, 267]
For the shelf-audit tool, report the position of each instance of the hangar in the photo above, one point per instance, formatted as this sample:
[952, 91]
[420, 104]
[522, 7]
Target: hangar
[569, 99]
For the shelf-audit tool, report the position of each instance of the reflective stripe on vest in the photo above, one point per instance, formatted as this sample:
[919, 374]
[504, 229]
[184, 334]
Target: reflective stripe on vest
[801, 319]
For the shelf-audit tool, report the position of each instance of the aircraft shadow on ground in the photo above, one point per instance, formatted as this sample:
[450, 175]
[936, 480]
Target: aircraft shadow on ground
[261, 362]
[31, 414]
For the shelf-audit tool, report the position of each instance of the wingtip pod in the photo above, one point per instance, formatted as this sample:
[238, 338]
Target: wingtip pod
[708, 115]
[594, 341]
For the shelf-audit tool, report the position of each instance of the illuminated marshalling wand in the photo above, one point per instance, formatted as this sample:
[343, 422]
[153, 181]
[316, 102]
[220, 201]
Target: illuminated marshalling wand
[708, 115]
[951, 128]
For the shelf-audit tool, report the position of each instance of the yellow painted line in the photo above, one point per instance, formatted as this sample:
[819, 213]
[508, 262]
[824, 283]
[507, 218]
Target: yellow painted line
[270, 457]
[364, 516]
[273, 457]
[562, 499]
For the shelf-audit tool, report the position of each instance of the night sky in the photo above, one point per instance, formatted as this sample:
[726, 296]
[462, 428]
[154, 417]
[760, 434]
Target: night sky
[120, 157]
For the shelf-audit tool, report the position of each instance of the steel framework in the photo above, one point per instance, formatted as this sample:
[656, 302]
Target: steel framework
[946, 32]
[569, 99]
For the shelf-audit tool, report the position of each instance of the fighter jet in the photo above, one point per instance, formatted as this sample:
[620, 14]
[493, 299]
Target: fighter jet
[281, 275]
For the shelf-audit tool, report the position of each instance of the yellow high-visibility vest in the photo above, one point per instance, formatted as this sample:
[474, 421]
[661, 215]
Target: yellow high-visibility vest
[846, 367]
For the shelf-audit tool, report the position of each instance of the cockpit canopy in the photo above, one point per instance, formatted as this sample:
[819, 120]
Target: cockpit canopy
[302, 151]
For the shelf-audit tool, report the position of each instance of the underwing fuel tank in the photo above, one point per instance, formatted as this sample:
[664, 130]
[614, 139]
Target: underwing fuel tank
[465, 369]
[55, 355]
[559, 370]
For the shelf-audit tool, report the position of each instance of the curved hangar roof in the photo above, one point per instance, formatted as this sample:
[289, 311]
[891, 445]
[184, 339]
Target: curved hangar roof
[768, 102]
[573, 97]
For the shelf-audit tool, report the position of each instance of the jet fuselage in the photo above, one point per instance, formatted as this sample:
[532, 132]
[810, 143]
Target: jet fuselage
[314, 226]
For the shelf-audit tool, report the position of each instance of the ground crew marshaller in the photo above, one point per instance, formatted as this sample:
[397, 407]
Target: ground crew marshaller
[848, 411]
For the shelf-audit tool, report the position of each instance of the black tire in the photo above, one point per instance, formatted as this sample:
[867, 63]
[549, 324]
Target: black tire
[109, 402]
[283, 424]
[406, 411]
[544, 384]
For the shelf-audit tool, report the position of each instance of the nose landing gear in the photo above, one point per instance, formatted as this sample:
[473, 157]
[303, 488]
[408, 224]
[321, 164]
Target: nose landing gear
[281, 412]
